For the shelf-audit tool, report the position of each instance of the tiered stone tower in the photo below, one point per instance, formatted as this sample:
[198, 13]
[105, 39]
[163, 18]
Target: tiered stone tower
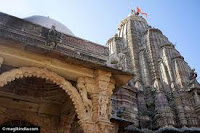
[164, 91]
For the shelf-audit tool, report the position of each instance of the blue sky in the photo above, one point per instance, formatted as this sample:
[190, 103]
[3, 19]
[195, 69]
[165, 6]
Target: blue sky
[97, 20]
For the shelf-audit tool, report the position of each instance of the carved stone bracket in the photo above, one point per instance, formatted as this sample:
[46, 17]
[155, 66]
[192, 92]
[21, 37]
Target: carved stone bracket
[83, 89]
[96, 95]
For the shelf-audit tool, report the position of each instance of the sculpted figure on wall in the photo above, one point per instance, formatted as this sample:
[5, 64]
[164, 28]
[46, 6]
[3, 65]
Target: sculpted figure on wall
[84, 94]
[118, 60]
[193, 75]
[104, 106]
[192, 78]
[122, 61]
[53, 37]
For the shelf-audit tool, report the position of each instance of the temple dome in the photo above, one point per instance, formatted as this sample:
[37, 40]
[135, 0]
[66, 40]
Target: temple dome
[48, 22]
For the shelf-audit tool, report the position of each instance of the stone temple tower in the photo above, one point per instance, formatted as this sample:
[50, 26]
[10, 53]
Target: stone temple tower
[164, 92]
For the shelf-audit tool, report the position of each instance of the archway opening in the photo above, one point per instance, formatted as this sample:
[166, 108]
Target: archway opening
[40, 102]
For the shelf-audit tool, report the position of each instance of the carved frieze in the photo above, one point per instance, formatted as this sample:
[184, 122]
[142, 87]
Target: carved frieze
[85, 45]
[16, 29]
[31, 28]
[28, 39]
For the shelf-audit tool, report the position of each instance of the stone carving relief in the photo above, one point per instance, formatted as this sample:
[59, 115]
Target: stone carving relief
[96, 95]
[53, 38]
[192, 78]
[105, 86]
[82, 88]
[122, 61]
[119, 61]
[35, 29]
[84, 45]
[104, 109]
[1, 61]
[88, 111]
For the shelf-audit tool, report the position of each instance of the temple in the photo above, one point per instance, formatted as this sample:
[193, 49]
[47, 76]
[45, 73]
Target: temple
[138, 82]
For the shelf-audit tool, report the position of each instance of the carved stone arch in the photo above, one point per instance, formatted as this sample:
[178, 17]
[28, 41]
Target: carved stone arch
[22, 72]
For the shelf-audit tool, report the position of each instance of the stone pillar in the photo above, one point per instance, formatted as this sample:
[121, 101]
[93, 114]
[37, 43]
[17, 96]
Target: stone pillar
[101, 99]
[99, 90]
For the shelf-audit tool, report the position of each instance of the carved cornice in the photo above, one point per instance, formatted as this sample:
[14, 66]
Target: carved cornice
[19, 30]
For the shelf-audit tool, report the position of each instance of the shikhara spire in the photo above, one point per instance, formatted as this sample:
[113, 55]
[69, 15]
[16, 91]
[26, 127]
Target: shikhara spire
[164, 91]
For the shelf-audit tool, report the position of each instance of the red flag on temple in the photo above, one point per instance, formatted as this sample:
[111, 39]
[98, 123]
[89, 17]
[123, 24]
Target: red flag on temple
[139, 11]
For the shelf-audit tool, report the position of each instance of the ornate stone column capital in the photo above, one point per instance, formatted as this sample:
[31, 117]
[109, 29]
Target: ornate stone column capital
[96, 95]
